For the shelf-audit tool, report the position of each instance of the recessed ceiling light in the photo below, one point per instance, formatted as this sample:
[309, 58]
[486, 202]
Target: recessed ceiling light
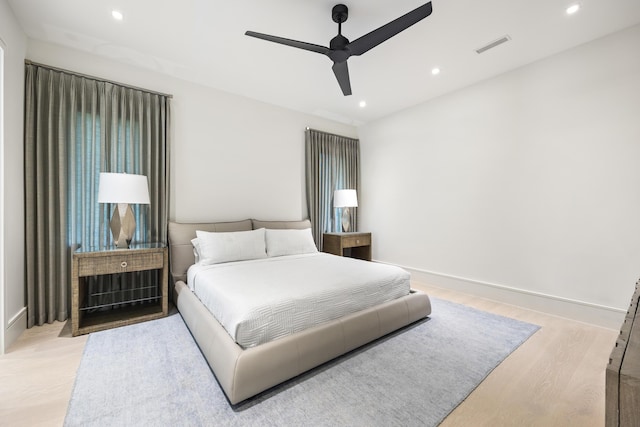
[363, 104]
[435, 71]
[573, 9]
[117, 15]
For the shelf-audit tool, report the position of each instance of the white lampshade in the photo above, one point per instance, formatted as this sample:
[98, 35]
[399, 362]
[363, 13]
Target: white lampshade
[345, 199]
[123, 188]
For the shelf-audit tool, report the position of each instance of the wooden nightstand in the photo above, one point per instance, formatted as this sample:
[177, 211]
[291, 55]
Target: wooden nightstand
[358, 245]
[104, 310]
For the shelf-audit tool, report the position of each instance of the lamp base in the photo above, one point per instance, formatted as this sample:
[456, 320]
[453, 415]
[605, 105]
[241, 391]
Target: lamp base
[123, 225]
[346, 220]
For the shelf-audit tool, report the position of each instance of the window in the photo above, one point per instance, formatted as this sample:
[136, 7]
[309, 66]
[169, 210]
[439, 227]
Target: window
[332, 163]
[76, 127]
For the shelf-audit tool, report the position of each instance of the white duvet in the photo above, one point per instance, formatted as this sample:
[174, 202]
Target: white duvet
[262, 300]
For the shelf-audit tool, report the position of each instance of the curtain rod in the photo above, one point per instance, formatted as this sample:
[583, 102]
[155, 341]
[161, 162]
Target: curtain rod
[99, 79]
[331, 134]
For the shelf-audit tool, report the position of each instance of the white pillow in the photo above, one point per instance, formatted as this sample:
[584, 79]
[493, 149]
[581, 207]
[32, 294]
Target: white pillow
[290, 242]
[231, 246]
[196, 249]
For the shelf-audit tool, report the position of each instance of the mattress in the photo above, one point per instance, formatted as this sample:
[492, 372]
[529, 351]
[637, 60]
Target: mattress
[258, 301]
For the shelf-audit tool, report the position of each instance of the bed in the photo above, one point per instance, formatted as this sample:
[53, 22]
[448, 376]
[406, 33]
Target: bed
[247, 369]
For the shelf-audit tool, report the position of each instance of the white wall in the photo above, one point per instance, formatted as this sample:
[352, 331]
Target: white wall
[231, 157]
[12, 297]
[529, 181]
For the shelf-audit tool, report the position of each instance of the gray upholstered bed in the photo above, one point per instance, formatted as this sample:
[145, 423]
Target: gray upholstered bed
[243, 373]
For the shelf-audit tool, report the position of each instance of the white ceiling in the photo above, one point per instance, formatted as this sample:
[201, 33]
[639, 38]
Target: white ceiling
[203, 41]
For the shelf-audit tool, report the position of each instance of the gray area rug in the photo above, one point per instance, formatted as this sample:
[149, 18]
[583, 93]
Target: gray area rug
[153, 374]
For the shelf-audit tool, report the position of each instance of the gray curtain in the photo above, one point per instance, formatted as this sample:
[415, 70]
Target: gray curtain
[332, 163]
[76, 127]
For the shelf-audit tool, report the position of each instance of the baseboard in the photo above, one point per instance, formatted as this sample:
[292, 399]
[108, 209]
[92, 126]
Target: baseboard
[16, 326]
[594, 314]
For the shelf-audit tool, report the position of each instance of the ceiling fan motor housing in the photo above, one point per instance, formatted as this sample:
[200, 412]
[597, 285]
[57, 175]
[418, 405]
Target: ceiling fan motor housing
[338, 42]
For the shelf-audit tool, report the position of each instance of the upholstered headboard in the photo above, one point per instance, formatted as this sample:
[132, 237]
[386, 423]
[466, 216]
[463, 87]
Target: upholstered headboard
[298, 225]
[181, 233]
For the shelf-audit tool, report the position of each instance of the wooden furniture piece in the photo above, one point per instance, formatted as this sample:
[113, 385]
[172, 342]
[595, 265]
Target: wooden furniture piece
[622, 391]
[150, 303]
[357, 245]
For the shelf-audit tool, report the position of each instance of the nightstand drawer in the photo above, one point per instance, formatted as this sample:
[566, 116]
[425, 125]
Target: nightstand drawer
[121, 263]
[355, 241]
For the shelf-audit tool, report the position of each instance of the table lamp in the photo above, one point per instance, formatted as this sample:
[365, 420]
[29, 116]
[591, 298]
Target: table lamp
[123, 189]
[345, 199]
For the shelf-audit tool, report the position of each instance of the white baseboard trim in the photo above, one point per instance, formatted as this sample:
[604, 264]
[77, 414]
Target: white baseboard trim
[594, 314]
[16, 326]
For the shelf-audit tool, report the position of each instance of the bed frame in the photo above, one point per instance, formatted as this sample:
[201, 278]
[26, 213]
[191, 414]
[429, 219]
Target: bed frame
[243, 373]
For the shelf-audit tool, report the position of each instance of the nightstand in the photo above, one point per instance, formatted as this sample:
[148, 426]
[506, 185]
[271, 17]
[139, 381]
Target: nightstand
[110, 308]
[355, 245]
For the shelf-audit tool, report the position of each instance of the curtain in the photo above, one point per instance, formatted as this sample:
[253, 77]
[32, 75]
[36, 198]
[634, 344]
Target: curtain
[76, 127]
[332, 163]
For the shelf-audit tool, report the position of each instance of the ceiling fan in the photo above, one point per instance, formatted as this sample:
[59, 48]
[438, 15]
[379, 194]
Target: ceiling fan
[340, 49]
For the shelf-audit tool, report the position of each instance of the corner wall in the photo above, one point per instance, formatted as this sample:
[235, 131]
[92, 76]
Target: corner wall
[12, 296]
[527, 183]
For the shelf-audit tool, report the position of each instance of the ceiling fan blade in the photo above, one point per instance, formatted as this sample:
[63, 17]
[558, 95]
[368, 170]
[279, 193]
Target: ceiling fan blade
[377, 36]
[341, 70]
[294, 43]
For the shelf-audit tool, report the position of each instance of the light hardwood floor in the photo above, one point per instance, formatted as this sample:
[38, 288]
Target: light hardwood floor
[556, 378]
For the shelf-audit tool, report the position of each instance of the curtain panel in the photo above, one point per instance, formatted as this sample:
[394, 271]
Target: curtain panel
[76, 127]
[332, 163]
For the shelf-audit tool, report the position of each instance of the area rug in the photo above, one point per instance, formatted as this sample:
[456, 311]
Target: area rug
[153, 374]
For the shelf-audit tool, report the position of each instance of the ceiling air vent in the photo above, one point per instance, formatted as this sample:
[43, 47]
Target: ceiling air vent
[493, 44]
